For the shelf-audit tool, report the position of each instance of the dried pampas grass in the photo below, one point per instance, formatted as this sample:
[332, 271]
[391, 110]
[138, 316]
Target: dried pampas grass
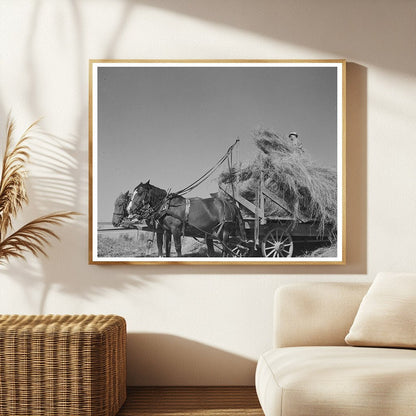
[12, 186]
[33, 236]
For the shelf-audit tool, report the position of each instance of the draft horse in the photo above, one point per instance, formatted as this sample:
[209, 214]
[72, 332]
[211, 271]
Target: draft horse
[209, 217]
[120, 208]
[120, 214]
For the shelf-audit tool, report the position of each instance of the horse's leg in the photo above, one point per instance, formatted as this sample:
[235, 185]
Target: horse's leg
[168, 242]
[225, 234]
[210, 246]
[177, 240]
[159, 240]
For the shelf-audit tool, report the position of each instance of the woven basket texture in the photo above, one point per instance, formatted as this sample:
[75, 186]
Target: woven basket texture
[53, 365]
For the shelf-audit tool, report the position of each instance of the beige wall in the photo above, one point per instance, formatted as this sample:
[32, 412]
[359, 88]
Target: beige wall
[204, 325]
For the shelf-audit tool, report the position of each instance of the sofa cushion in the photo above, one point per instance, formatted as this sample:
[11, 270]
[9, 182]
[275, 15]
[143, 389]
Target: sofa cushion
[387, 314]
[342, 381]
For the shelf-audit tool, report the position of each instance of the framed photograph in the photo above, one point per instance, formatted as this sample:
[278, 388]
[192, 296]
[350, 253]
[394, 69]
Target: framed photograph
[217, 162]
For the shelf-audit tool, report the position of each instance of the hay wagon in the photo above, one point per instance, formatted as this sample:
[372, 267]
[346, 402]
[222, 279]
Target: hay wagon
[266, 235]
[273, 236]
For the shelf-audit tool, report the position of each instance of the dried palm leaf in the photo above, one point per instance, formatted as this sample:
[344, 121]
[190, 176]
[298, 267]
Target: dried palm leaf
[12, 183]
[33, 237]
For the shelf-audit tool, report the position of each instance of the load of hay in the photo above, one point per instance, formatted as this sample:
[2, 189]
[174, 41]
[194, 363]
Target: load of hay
[330, 251]
[309, 190]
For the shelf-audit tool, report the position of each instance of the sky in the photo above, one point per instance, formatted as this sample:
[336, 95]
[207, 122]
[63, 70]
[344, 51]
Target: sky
[171, 124]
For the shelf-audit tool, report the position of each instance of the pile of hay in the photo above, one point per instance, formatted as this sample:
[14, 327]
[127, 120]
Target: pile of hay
[330, 251]
[308, 189]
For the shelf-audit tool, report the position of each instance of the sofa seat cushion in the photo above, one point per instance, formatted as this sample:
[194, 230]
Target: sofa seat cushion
[342, 381]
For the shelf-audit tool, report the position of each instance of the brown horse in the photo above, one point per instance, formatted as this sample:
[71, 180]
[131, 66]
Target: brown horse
[210, 217]
[120, 215]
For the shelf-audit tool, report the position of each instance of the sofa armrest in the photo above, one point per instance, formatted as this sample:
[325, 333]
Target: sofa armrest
[315, 313]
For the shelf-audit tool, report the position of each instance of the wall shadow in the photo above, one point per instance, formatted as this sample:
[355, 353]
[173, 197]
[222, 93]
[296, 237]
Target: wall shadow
[66, 182]
[53, 186]
[169, 360]
[335, 27]
[356, 159]
[58, 180]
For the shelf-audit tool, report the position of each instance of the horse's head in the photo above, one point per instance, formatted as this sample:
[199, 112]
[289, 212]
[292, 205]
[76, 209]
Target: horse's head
[140, 198]
[120, 208]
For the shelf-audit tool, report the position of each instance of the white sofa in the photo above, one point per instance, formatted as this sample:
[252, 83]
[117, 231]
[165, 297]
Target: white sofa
[311, 371]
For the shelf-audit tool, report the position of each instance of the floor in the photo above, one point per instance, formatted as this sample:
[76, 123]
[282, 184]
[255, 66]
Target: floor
[187, 401]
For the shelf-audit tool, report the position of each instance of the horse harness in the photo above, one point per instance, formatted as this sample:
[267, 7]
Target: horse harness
[156, 214]
[163, 211]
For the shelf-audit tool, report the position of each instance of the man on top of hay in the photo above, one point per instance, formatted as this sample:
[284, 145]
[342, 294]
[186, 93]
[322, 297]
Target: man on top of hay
[294, 138]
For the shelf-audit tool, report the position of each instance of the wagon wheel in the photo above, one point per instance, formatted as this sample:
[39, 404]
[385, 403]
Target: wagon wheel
[236, 250]
[277, 243]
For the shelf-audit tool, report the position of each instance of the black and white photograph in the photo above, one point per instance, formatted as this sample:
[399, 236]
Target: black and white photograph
[217, 162]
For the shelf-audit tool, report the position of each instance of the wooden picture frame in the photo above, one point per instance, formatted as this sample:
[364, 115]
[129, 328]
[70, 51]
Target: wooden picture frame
[260, 142]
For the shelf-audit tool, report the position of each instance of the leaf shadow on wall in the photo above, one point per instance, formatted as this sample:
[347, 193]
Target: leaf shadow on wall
[164, 359]
[54, 187]
[59, 181]
[65, 186]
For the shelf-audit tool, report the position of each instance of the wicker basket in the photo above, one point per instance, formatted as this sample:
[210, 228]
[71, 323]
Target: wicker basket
[71, 365]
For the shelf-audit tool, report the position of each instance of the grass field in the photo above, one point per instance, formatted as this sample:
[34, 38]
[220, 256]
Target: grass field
[140, 243]
[133, 243]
